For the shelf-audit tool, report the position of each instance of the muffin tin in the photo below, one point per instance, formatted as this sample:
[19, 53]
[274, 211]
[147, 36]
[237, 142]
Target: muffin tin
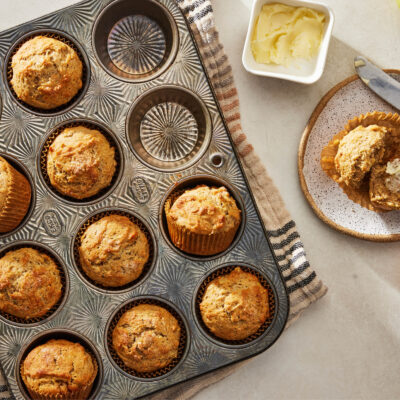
[161, 116]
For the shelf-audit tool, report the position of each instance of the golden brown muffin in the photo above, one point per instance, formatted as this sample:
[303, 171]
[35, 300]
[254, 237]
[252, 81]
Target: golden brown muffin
[234, 306]
[203, 220]
[362, 154]
[30, 283]
[358, 152]
[146, 338]
[15, 197]
[80, 162]
[384, 186]
[113, 251]
[47, 73]
[59, 369]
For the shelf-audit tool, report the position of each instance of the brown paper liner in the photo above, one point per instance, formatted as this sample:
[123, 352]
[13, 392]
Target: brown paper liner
[82, 394]
[17, 202]
[328, 154]
[194, 243]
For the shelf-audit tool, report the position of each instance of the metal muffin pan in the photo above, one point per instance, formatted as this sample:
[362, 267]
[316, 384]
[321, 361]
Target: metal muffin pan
[139, 189]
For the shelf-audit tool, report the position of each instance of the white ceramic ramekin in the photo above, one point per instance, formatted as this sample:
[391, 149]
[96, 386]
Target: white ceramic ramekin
[302, 71]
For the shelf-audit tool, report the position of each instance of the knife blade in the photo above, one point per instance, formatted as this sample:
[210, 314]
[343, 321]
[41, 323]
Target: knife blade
[378, 81]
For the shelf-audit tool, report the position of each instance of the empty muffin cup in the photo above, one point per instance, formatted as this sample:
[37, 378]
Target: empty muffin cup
[224, 270]
[64, 38]
[24, 218]
[183, 342]
[135, 41]
[200, 247]
[66, 334]
[144, 227]
[168, 128]
[92, 125]
[25, 322]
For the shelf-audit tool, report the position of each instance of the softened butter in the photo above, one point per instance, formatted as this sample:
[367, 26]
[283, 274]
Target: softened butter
[283, 33]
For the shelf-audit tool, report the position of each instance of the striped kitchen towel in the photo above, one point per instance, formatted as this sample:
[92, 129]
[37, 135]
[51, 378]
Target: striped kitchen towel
[304, 286]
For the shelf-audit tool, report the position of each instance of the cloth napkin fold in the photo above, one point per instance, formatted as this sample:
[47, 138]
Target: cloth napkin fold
[303, 285]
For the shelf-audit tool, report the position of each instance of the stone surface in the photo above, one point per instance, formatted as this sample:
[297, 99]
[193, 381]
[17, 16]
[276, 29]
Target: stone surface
[347, 346]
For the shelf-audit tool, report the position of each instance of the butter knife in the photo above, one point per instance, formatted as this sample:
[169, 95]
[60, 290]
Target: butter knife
[378, 81]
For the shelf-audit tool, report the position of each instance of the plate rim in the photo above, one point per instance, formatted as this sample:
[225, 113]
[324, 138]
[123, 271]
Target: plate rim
[300, 166]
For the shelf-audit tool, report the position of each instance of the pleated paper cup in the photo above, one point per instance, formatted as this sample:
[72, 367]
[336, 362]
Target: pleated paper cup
[17, 201]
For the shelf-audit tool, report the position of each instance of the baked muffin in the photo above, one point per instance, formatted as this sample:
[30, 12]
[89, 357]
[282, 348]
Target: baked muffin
[384, 185]
[80, 162]
[234, 306]
[358, 152]
[113, 251]
[146, 338]
[59, 369]
[203, 220]
[15, 197]
[366, 142]
[30, 283]
[47, 73]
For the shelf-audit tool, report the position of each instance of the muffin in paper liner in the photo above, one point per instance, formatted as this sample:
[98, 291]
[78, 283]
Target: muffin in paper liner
[18, 199]
[82, 394]
[196, 243]
[361, 195]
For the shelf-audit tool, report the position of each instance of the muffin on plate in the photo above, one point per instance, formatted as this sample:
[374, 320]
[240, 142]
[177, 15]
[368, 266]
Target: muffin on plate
[59, 369]
[203, 220]
[30, 283]
[358, 152]
[367, 143]
[15, 196]
[46, 73]
[113, 251]
[384, 186]
[80, 162]
[146, 338]
[234, 306]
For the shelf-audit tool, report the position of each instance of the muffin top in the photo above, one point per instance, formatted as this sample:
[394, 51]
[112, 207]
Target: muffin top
[146, 338]
[5, 177]
[205, 210]
[358, 152]
[80, 162]
[113, 251]
[30, 283]
[234, 306]
[59, 369]
[47, 73]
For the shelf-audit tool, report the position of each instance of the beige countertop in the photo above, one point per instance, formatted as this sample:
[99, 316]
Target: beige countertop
[347, 346]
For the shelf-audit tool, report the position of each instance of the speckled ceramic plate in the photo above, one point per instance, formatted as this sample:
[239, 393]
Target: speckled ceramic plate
[346, 100]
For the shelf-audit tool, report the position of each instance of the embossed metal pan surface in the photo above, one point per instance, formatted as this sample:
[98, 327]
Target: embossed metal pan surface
[178, 96]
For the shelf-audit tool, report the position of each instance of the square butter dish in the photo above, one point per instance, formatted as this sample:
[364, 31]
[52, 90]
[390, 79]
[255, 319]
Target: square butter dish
[303, 71]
